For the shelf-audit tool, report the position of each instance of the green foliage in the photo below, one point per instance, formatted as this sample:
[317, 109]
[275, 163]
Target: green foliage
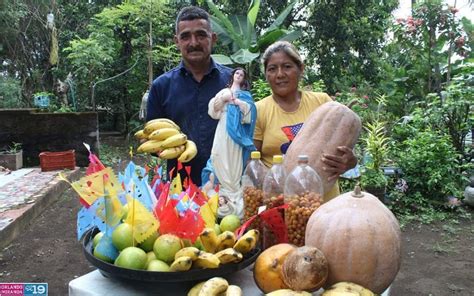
[239, 32]
[376, 148]
[10, 92]
[260, 89]
[430, 166]
[426, 48]
[343, 38]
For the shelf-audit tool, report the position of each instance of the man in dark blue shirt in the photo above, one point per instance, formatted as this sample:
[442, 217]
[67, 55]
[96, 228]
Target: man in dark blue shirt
[183, 93]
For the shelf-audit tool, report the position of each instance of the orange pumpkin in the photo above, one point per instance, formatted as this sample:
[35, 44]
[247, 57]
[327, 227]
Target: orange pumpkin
[360, 238]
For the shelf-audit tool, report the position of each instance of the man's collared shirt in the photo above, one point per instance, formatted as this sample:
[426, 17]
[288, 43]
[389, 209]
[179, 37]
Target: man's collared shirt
[178, 96]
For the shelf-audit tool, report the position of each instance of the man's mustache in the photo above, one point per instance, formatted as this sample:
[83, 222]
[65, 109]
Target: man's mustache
[193, 49]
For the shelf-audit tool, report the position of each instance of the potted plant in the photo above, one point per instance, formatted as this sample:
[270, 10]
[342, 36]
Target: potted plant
[373, 179]
[12, 157]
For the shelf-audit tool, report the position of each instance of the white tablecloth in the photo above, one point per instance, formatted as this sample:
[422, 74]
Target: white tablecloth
[95, 284]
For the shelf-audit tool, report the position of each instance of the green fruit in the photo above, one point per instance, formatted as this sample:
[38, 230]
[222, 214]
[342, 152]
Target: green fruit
[217, 229]
[97, 238]
[132, 258]
[157, 265]
[147, 245]
[198, 244]
[230, 223]
[122, 236]
[102, 257]
[166, 246]
[150, 256]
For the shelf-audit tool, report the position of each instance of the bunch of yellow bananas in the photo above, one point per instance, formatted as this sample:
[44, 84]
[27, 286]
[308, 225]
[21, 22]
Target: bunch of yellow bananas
[164, 137]
[218, 249]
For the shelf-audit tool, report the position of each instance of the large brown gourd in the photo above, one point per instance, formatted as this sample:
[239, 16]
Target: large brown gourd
[328, 127]
[360, 238]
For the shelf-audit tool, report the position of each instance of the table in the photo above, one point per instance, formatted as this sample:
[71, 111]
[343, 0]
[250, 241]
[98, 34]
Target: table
[95, 284]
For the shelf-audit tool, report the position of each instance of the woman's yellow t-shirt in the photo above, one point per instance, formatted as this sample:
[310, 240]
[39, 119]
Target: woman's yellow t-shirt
[276, 128]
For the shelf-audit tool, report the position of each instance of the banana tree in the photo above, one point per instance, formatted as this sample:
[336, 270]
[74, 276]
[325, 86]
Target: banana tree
[238, 32]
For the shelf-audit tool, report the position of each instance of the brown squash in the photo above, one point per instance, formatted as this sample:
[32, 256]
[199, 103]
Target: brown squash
[360, 238]
[328, 127]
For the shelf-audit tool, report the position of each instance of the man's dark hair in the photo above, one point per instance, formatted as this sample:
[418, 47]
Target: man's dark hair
[190, 13]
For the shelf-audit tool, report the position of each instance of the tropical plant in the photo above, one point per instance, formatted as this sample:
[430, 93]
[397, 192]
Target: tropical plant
[239, 32]
[376, 149]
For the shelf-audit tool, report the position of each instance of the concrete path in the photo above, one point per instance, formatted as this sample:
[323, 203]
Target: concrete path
[24, 194]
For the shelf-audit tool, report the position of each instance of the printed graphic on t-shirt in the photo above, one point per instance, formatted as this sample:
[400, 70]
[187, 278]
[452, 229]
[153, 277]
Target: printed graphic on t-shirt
[290, 131]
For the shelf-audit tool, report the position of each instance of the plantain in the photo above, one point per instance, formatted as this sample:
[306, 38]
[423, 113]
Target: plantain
[150, 146]
[229, 255]
[209, 240]
[171, 153]
[206, 260]
[195, 289]
[191, 252]
[225, 240]
[347, 288]
[189, 152]
[169, 121]
[247, 242]
[214, 287]
[181, 264]
[233, 290]
[175, 140]
[140, 135]
[163, 133]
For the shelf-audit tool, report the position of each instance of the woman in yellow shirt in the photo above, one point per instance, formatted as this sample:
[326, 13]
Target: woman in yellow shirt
[281, 115]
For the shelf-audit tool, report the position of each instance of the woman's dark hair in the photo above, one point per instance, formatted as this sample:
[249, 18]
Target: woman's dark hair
[245, 85]
[190, 13]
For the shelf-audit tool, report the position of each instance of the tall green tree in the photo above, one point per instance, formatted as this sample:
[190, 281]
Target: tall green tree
[344, 40]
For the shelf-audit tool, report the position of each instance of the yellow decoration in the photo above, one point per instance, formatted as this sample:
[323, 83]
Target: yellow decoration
[143, 221]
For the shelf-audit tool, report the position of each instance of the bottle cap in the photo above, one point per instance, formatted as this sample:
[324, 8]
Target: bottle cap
[303, 158]
[277, 159]
[255, 155]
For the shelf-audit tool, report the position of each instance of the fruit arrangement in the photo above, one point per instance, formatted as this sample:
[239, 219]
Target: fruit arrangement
[288, 270]
[164, 137]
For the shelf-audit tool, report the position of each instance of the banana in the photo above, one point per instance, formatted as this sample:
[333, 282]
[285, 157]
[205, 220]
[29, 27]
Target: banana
[191, 252]
[150, 146]
[189, 153]
[170, 153]
[140, 135]
[181, 264]
[175, 140]
[153, 126]
[347, 288]
[206, 260]
[247, 242]
[229, 255]
[209, 239]
[288, 292]
[169, 121]
[225, 240]
[195, 289]
[163, 133]
[233, 290]
[214, 287]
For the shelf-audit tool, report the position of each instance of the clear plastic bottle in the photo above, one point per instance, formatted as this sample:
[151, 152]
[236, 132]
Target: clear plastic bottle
[273, 195]
[252, 183]
[303, 194]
